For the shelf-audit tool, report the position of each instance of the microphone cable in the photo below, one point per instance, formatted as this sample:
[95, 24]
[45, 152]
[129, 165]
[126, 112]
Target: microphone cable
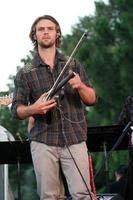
[66, 143]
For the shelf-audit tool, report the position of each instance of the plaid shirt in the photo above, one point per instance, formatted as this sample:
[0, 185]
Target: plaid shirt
[67, 120]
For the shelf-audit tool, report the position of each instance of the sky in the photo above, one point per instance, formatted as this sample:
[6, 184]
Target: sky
[16, 18]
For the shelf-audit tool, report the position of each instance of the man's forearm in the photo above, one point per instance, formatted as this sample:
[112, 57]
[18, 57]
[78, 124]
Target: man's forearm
[24, 111]
[87, 94]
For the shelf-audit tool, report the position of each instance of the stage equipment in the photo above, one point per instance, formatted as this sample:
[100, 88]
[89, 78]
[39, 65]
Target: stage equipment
[5, 190]
[108, 154]
[18, 152]
[109, 197]
[99, 135]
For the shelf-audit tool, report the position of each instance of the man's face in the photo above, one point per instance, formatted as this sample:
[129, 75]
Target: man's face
[46, 34]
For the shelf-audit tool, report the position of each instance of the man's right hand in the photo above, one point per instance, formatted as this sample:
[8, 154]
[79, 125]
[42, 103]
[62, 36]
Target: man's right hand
[39, 107]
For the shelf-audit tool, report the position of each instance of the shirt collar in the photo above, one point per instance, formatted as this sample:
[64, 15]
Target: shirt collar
[39, 63]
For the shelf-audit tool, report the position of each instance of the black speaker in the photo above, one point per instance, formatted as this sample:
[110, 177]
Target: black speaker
[109, 197]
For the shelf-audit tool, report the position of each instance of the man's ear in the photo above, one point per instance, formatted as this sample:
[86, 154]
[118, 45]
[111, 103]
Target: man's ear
[58, 35]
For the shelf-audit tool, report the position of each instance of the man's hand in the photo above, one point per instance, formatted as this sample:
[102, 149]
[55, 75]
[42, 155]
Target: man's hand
[41, 106]
[75, 82]
[87, 94]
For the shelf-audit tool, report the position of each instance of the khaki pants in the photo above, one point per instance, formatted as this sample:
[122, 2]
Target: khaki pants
[46, 161]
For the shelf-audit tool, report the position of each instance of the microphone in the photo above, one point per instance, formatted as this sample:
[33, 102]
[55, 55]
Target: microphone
[8, 138]
[61, 84]
[19, 137]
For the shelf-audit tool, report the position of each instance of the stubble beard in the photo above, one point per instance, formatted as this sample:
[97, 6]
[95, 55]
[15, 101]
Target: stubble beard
[46, 45]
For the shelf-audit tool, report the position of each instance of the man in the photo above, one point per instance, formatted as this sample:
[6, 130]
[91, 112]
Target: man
[60, 127]
[125, 117]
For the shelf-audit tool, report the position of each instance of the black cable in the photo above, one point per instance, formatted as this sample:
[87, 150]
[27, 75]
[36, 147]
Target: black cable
[66, 143]
[77, 166]
[115, 146]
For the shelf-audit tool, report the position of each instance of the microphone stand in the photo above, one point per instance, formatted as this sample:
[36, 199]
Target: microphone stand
[18, 177]
[18, 167]
[17, 154]
[106, 165]
[107, 155]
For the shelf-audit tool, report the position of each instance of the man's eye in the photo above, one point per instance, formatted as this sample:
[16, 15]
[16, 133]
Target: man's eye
[51, 28]
[41, 29]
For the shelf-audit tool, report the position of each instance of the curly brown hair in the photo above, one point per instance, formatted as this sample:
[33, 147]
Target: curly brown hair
[33, 30]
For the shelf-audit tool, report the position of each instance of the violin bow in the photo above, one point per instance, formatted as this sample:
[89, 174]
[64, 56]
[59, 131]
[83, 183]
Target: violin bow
[55, 85]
